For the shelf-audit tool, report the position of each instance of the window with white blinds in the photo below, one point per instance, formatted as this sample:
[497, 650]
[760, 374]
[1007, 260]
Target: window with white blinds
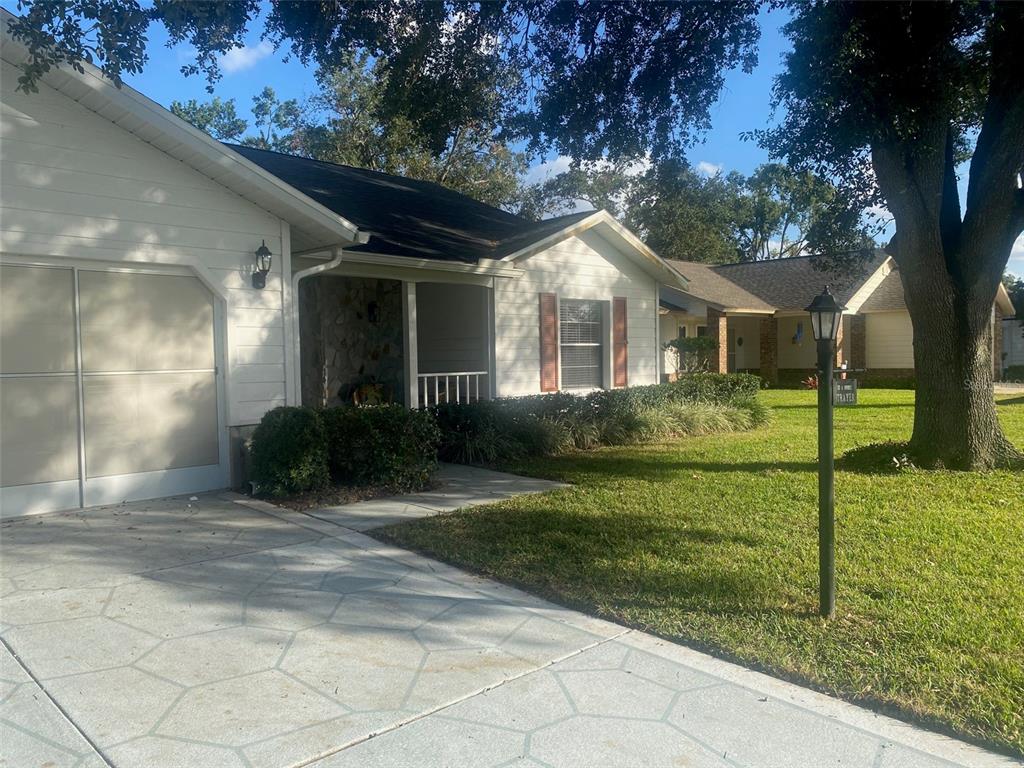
[581, 331]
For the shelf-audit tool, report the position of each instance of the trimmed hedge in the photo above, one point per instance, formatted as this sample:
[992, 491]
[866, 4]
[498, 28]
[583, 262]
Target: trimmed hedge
[288, 453]
[1013, 373]
[297, 450]
[386, 445]
[503, 430]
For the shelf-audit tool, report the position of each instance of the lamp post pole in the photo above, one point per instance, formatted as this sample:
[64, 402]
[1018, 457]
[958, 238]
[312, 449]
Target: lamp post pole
[826, 482]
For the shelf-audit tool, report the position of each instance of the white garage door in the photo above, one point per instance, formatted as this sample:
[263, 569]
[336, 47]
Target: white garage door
[108, 388]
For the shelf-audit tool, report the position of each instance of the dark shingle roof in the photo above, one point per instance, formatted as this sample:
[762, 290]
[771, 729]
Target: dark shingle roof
[408, 217]
[791, 284]
[707, 284]
[887, 296]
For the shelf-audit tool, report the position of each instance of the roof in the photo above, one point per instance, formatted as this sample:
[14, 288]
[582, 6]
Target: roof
[790, 284]
[706, 284]
[408, 217]
[775, 285]
[887, 297]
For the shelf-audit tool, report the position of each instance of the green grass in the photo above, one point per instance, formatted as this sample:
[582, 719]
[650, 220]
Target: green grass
[712, 541]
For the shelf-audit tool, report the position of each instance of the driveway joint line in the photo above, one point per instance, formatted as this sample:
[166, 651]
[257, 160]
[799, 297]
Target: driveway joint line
[442, 707]
[56, 704]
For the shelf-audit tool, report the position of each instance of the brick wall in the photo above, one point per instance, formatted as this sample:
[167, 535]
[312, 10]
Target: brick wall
[717, 330]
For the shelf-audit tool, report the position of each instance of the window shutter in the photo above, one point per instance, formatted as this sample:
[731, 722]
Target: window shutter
[548, 342]
[619, 342]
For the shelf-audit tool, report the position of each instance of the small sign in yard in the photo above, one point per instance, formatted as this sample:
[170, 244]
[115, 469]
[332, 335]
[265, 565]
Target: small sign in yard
[844, 391]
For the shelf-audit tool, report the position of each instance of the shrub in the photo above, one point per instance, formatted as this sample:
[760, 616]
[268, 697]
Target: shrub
[716, 387]
[288, 452]
[498, 431]
[384, 445]
[1014, 373]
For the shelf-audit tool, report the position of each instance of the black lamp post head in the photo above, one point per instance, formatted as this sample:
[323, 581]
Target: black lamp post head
[825, 313]
[263, 261]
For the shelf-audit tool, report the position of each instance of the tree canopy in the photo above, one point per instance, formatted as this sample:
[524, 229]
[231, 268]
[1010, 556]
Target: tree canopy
[684, 214]
[570, 76]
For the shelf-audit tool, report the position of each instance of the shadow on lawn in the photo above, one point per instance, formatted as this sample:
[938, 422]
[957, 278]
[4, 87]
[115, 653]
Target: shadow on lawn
[634, 565]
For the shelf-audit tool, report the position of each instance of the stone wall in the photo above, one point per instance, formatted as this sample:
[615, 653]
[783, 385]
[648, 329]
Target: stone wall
[351, 330]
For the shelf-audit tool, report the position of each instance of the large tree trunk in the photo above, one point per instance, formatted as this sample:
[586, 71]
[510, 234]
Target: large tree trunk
[950, 269]
[955, 423]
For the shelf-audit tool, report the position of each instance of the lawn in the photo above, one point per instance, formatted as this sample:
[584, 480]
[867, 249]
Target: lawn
[712, 541]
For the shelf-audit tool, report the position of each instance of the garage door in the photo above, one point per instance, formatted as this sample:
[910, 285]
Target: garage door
[108, 387]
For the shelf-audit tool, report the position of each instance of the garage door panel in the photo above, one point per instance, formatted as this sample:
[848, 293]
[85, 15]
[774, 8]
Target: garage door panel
[146, 422]
[40, 430]
[37, 323]
[140, 322]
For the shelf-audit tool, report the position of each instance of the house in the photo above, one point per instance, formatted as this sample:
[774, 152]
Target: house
[161, 291]
[1013, 345]
[757, 312]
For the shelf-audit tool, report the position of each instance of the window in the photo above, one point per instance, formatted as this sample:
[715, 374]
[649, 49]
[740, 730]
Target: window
[702, 330]
[581, 331]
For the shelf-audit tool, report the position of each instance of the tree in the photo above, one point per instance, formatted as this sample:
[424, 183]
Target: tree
[1015, 288]
[218, 118]
[888, 99]
[592, 79]
[350, 125]
[685, 215]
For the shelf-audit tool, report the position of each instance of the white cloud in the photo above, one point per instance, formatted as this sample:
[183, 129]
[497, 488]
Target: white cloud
[246, 57]
[709, 169]
[549, 168]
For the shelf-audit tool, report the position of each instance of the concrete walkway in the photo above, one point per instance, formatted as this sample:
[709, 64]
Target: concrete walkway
[220, 632]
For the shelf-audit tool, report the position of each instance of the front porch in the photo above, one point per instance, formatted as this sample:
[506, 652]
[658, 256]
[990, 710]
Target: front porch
[377, 339]
[778, 347]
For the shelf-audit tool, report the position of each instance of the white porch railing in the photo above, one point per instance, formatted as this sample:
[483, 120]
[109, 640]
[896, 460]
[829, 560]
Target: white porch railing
[454, 387]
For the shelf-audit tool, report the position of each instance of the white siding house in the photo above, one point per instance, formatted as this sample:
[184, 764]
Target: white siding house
[139, 350]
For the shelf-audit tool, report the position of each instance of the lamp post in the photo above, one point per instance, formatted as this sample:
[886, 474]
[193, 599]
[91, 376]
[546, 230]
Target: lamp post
[826, 314]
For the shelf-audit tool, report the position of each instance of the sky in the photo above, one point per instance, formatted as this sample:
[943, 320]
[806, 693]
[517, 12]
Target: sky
[744, 104]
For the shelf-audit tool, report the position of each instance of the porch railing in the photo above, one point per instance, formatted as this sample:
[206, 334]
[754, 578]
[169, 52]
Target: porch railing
[454, 387]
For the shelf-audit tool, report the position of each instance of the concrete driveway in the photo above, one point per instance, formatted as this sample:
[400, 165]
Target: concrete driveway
[221, 633]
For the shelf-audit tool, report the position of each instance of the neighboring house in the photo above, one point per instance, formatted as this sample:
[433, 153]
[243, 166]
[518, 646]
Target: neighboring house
[757, 312]
[137, 354]
[1013, 343]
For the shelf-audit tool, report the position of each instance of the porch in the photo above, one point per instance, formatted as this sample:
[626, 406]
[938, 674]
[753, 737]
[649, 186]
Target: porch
[368, 339]
[778, 347]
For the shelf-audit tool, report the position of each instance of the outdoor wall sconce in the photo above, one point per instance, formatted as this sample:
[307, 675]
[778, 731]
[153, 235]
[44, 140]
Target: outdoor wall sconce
[263, 260]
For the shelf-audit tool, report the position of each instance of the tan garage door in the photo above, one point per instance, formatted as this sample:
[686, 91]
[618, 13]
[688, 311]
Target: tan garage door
[108, 387]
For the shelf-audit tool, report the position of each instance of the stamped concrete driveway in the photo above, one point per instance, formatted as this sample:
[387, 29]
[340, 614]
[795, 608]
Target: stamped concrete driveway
[219, 633]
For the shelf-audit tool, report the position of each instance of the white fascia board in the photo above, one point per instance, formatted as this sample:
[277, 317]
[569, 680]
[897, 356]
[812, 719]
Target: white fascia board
[488, 267]
[242, 174]
[652, 262]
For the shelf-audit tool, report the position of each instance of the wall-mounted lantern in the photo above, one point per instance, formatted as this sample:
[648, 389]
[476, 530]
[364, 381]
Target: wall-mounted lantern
[263, 261]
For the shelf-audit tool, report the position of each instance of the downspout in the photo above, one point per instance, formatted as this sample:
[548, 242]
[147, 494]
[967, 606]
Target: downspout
[297, 277]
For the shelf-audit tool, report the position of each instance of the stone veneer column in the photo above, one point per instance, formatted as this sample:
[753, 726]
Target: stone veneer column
[858, 339]
[717, 329]
[769, 332]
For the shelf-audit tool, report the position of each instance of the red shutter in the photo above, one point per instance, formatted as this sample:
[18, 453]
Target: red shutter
[619, 342]
[548, 342]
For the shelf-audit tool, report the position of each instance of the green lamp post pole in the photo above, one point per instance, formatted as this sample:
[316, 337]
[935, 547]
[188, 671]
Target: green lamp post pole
[826, 315]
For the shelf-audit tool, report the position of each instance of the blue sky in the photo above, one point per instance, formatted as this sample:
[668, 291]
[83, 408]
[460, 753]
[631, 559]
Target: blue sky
[744, 104]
